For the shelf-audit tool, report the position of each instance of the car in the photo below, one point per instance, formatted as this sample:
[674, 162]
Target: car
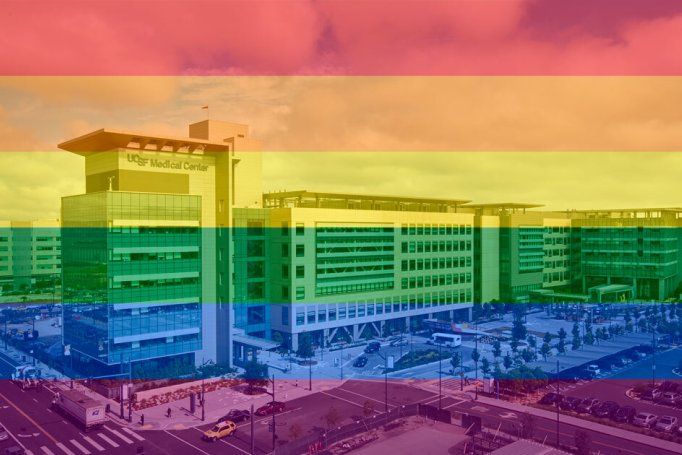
[624, 414]
[220, 431]
[668, 386]
[606, 409]
[551, 398]
[644, 420]
[593, 371]
[570, 403]
[586, 406]
[651, 395]
[666, 424]
[399, 342]
[272, 407]
[372, 347]
[14, 450]
[235, 415]
[360, 362]
[669, 398]
[4, 436]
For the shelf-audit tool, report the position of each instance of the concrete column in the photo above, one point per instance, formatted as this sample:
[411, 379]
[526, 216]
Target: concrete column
[294, 342]
[356, 333]
[382, 324]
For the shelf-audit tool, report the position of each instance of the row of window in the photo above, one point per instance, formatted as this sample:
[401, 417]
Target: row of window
[435, 229]
[312, 314]
[435, 263]
[426, 281]
[168, 256]
[435, 246]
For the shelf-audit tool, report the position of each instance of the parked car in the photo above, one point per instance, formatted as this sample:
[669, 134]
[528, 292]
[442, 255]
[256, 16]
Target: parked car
[669, 398]
[666, 424]
[272, 407]
[644, 420]
[586, 406]
[4, 436]
[651, 395]
[235, 415]
[606, 409]
[668, 386]
[570, 403]
[360, 362]
[551, 398]
[593, 371]
[372, 347]
[399, 342]
[219, 431]
[14, 450]
[624, 414]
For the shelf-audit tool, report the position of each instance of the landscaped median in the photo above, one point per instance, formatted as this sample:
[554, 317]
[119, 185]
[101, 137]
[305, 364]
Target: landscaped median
[417, 358]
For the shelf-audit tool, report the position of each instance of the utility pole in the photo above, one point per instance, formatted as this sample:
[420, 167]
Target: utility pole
[653, 355]
[274, 424]
[310, 374]
[440, 377]
[253, 440]
[342, 362]
[557, 404]
[130, 391]
[203, 401]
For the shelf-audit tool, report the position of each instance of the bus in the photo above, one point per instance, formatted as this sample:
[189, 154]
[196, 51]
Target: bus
[448, 340]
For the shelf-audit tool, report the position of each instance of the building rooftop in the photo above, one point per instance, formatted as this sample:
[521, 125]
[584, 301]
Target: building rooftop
[504, 205]
[105, 140]
[304, 198]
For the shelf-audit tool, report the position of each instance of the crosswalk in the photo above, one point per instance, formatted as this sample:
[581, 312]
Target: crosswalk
[93, 443]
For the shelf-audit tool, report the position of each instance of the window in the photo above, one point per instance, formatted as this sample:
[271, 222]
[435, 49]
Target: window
[285, 250]
[285, 228]
[300, 229]
[300, 271]
[300, 251]
[300, 292]
[285, 315]
[285, 271]
[255, 291]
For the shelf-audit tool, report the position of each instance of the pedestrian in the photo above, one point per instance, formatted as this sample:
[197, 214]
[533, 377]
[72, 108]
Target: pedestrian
[142, 420]
[168, 413]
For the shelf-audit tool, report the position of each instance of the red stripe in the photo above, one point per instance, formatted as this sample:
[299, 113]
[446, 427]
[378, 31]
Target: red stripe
[335, 37]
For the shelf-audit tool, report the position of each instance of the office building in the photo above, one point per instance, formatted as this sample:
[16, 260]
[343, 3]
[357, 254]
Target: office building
[30, 256]
[345, 266]
[149, 284]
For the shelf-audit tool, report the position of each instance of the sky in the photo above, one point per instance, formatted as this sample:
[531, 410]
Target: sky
[571, 104]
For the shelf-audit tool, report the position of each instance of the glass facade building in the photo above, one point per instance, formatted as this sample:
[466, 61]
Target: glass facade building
[132, 280]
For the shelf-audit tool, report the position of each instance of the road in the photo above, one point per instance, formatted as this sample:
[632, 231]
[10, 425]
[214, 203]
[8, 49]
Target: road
[31, 424]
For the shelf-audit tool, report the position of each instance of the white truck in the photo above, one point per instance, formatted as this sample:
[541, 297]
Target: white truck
[86, 411]
[26, 376]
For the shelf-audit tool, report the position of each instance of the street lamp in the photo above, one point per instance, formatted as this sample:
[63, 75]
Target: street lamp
[557, 403]
[440, 376]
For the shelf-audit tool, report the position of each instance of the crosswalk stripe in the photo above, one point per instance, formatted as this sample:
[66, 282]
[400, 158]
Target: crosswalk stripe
[46, 451]
[107, 439]
[28, 452]
[133, 434]
[80, 447]
[66, 450]
[119, 435]
[94, 444]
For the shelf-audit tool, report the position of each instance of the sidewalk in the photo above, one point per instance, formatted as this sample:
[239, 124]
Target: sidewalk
[218, 403]
[18, 356]
[588, 425]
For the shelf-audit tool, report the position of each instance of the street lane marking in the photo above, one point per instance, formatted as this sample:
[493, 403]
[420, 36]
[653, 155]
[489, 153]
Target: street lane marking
[365, 396]
[133, 434]
[52, 438]
[185, 442]
[343, 399]
[93, 443]
[80, 447]
[46, 451]
[66, 450]
[119, 435]
[225, 442]
[107, 439]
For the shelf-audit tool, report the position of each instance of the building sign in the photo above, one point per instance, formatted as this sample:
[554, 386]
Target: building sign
[166, 164]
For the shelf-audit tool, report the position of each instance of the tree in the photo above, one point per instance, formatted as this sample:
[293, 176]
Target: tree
[518, 329]
[576, 343]
[575, 331]
[456, 361]
[295, 431]
[305, 346]
[507, 361]
[368, 408]
[332, 418]
[589, 336]
[527, 426]
[514, 345]
[255, 373]
[497, 349]
[532, 342]
[545, 350]
[547, 338]
[583, 443]
[485, 366]
[475, 356]
[527, 355]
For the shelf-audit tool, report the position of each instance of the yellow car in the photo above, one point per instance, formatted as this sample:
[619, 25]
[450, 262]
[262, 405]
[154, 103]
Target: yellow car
[219, 431]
